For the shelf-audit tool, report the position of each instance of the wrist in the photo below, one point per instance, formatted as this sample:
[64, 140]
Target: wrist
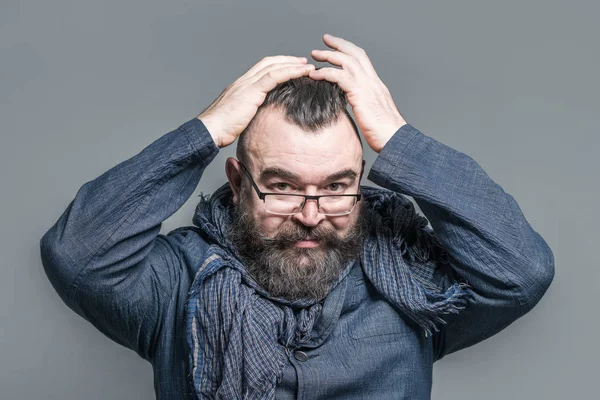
[387, 134]
[213, 128]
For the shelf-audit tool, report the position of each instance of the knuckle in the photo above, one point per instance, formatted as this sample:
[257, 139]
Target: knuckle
[271, 58]
[263, 60]
[268, 77]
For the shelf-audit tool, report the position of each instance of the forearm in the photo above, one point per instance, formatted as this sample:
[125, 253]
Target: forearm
[114, 218]
[489, 241]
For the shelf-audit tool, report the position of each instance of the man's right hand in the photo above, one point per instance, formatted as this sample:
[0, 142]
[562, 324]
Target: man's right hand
[228, 116]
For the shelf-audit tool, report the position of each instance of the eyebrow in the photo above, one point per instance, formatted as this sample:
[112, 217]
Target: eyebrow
[283, 173]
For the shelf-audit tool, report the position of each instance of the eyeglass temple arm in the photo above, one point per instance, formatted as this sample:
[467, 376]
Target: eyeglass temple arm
[254, 185]
[362, 170]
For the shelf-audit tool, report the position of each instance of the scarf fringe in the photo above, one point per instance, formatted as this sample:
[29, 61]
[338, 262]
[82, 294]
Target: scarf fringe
[400, 234]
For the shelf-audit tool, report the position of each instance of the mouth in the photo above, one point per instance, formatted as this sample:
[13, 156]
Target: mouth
[307, 243]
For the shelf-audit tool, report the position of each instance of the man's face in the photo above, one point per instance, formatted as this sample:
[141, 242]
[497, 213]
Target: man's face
[298, 255]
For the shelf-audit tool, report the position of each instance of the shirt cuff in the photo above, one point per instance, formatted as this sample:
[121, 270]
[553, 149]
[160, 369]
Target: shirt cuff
[200, 138]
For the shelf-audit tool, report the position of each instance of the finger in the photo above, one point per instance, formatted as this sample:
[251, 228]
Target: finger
[335, 75]
[273, 67]
[276, 76]
[273, 60]
[345, 46]
[339, 59]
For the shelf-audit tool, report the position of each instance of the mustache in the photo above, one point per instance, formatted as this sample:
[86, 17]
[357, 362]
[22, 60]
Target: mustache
[291, 234]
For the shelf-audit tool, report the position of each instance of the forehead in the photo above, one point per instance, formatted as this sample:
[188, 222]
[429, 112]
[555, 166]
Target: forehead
[276, 142]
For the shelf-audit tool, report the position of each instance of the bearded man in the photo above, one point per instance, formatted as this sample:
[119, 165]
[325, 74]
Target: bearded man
[296, 281]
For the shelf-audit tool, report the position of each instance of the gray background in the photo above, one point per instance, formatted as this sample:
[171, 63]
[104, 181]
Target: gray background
[85, 85]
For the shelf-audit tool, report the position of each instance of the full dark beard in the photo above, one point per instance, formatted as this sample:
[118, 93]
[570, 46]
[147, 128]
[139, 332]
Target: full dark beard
[291, 272]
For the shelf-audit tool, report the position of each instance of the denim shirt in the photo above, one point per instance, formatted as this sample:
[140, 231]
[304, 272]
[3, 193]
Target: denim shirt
[108, 262]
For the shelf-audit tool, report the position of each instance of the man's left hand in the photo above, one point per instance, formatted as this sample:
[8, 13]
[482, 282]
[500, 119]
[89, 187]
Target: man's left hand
[376, 113]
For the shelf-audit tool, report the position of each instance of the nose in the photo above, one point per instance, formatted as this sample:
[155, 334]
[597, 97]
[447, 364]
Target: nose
[310, 215]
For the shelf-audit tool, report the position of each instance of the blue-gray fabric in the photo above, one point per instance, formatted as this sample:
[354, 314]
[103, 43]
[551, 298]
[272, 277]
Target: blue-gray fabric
[241, 335]
[107, 260]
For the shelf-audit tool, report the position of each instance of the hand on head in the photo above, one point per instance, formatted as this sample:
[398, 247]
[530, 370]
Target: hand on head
[227, 117]
[376, 114]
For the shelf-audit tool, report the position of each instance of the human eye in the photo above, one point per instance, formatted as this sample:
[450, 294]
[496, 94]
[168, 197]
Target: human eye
[336, 187]
[280, 187]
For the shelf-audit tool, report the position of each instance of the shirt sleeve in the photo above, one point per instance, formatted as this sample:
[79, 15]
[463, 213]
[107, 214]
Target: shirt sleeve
[489, 242]
[104, 255]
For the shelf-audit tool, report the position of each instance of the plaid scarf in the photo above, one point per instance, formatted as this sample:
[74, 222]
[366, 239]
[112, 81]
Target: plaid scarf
[238, 334]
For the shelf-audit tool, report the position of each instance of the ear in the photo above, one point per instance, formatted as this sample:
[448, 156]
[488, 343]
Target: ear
[233, 170]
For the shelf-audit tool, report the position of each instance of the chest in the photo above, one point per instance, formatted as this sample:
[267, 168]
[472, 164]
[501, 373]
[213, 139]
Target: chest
[362, 348]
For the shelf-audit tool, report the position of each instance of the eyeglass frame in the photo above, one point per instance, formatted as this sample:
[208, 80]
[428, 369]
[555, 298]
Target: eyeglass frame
[262, 195]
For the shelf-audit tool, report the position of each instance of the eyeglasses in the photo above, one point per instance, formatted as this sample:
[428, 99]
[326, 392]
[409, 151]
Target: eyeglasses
[290, 204]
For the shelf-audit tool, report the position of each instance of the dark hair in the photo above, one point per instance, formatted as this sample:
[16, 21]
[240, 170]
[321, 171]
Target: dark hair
[306, 102]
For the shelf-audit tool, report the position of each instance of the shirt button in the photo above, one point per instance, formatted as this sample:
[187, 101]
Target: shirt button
[300, 356]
